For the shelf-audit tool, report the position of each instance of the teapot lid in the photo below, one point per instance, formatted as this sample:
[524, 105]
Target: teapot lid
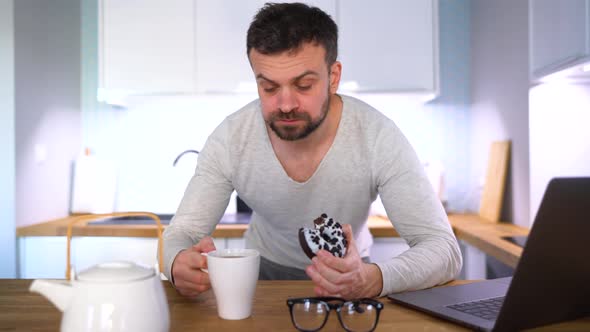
[116, 272]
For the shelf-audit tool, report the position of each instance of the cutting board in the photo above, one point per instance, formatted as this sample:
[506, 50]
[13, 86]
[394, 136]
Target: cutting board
[493, 190]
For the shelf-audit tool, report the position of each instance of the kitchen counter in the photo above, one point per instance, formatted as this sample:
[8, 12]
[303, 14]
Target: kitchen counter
[379, 227]
[21, 310]
[488, 236]
[484, 235]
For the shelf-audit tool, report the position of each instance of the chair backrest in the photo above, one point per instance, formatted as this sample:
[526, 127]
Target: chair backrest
[493, 191]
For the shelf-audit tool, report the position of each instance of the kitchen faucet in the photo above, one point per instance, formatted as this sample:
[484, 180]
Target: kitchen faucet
[182, 154]
[241, 205]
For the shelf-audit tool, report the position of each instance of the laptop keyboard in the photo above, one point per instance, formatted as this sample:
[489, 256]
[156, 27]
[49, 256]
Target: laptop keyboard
[486, 309]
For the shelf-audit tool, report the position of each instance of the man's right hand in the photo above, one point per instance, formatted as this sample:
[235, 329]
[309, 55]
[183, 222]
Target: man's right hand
[189, 280]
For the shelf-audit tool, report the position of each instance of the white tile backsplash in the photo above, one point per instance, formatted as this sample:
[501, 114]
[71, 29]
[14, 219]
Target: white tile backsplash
[144, 139]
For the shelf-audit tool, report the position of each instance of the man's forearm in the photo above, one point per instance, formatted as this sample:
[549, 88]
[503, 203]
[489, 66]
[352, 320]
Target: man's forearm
[424, 265]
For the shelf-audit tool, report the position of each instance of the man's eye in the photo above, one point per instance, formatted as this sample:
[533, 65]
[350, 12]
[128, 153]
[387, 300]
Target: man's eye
[304, 87]
[270, 90]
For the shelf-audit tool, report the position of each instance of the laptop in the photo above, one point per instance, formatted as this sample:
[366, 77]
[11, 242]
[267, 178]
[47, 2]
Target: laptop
[551, 283]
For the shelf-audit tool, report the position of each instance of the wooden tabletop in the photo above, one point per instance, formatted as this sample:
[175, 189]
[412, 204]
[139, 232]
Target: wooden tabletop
[21, 310]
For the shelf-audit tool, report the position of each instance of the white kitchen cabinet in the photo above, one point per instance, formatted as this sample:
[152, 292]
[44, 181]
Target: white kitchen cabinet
[199, 46]
[221, 28]
[559, 35]
[147, 46]
[385, 46]
[389, 46]
[45, 256]
[221, 61]
[41, 257]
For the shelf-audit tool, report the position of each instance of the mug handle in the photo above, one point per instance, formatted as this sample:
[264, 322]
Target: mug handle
[89, 217]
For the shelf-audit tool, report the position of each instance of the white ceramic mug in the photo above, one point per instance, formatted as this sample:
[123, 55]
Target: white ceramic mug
[233, 274]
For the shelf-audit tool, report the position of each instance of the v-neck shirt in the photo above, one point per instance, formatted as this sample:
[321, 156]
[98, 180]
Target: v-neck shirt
[275, 158]
[368, 157]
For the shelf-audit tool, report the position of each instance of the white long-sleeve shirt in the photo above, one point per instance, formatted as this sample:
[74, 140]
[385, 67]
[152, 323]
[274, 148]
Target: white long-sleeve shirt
[369, 157]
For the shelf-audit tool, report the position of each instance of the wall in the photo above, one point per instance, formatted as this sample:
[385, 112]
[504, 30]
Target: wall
[7, 191]
[144, 139]
[559, 135]
[449, 115]
[47, 101]
[499, 107]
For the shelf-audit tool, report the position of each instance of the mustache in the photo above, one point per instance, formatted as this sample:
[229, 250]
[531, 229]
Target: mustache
[293, 115]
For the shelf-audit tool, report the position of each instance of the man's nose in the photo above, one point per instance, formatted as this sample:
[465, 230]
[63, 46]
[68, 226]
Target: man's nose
[287, 100]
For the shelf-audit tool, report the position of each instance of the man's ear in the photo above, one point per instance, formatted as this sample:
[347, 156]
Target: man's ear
[335, 74]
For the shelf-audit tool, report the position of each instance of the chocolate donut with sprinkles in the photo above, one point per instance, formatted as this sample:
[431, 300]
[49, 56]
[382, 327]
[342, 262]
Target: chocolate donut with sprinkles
[327, 234]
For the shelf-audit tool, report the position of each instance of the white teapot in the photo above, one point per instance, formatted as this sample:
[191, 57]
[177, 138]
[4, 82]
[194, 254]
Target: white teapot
[117, 296]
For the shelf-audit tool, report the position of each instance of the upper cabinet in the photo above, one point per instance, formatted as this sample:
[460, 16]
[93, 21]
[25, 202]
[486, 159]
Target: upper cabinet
[147, 46]
[389, 45]
[199, 46]
[221, 28]
[220, 39]
[559, 35]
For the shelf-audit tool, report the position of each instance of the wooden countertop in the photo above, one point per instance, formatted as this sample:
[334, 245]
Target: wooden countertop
[58, 227]
[484, 235]
[487, 236]
[21, 310]
[379, 226]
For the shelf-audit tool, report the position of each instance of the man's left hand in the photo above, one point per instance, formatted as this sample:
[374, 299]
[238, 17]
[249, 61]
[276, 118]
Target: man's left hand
[348, 277]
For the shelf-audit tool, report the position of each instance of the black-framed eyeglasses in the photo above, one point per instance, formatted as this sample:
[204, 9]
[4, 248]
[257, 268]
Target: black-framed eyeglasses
[310, 314]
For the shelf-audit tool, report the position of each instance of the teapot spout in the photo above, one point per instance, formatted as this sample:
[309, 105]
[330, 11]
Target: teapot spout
[58, 292]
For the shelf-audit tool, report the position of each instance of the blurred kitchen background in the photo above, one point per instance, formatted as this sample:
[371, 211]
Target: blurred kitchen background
[136, 82]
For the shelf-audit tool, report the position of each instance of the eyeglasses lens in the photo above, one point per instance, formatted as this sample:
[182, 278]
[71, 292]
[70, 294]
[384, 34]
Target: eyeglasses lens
[309, 315]
[358, 317]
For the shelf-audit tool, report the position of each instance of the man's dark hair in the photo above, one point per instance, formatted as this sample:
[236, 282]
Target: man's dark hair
[279, 27]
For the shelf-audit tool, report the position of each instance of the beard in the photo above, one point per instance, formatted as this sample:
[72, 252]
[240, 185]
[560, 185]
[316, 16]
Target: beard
[297, 132]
